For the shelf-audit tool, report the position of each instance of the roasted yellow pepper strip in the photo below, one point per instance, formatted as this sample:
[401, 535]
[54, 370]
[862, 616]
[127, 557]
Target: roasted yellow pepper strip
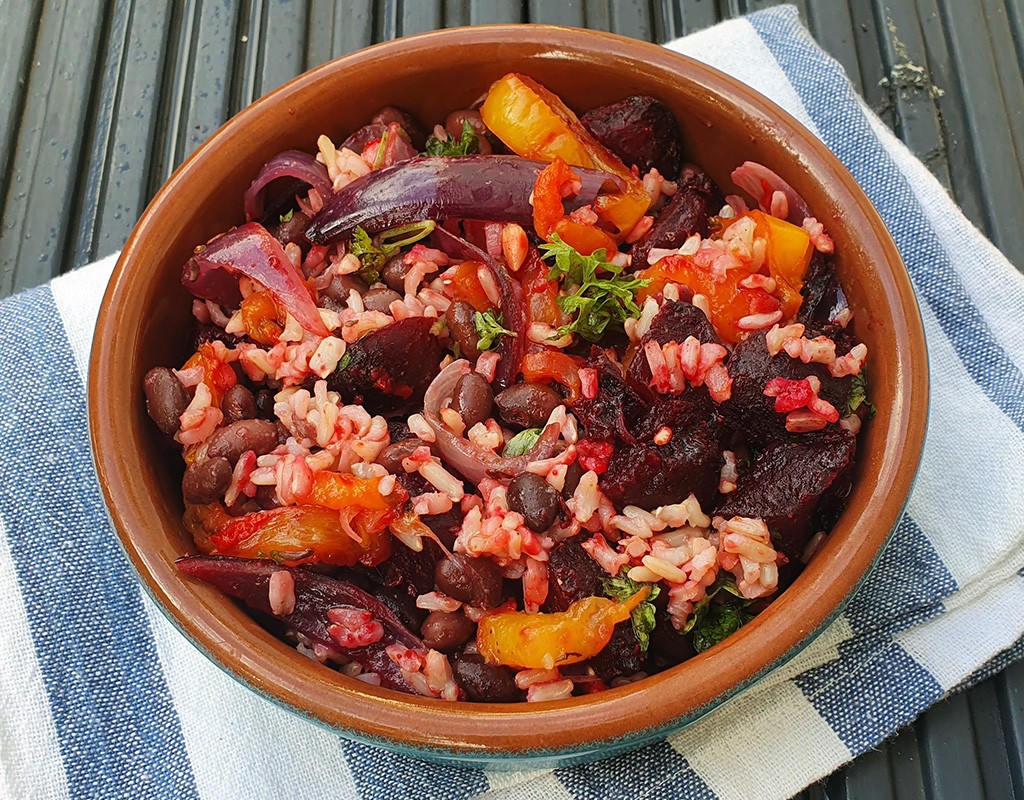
[536, 124]
[544, 641]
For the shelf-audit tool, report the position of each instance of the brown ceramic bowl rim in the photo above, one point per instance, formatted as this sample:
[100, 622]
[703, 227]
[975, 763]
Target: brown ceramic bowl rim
[623, 716]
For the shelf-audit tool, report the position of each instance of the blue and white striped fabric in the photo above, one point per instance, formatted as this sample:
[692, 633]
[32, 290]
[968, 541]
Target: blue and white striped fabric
[101, 698]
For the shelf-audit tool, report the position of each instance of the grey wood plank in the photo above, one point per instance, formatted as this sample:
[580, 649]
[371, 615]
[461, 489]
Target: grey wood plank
[337, 28]
[963, 174]
[417, 16]
[906, 764]
[567, 12]
[989, 124]
[1010, 686]
[18, 25]
[46, 157]
[489, 12]
[990, 741]
[274, 46]
[867, 30]
[832, 26]
[626, 17]
[947, 743]
[117, 154]
[911, 90]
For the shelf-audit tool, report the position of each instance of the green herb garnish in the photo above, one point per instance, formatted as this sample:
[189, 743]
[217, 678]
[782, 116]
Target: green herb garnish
[712, 622]
[859, 394]
[596, 301]
[489, 329]
[286, 217]
[374, 252]
[345, 360]
[468, 143]
[621, 588]
[522, 443]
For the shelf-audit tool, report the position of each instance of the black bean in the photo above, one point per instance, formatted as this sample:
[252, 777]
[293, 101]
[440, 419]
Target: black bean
[473, 398]
[206, 482]
[535, 499]
[461, 320]
[454, 125]
[341, 285]
[379, 298]
[266, 497]
[166, 399]
[446, 630]
[265, 404]
[474, 581]
[231, 441]
[572, 479]
[391, 456]
[527, 404]
[293, 231]
[394, 272]
[409, 124]
[238, 403]
[483, 682]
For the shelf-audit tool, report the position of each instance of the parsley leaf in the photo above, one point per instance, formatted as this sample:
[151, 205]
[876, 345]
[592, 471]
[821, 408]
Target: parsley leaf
[345, 360]
[712, 622]
[622, 587]
[286, 217]
[522, 443]
[374, 252]
[468, 143]
[488, 327]
[859, 394]
[597, 302]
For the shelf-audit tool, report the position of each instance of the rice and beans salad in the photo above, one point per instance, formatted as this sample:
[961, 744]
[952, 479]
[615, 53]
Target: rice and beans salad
[519, 408]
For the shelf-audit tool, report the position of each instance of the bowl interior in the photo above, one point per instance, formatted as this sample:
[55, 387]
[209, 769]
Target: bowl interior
[146, 315]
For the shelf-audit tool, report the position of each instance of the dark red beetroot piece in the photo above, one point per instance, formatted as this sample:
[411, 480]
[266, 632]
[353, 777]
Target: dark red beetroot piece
[821, 292]
[249, 581]
[789, 484]
[750, 366]
[639, 130]
[687, 213]
[572, 575]
[389, 369]
[676, 322]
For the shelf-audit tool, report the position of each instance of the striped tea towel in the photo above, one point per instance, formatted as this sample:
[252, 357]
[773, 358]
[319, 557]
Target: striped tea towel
[101, 698]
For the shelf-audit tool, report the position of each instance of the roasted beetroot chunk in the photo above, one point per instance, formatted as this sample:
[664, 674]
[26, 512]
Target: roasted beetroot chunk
[687, 213]
[650, 475]
[749, 411]
[389, 369]
[821, 291]
[249, 580]
[789, 483]
[639, 130]
[608, 414]
[674, 323]
[572, 575]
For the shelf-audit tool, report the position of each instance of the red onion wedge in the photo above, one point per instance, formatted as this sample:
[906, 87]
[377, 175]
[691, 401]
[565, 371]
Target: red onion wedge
[249, 580]
[472, 461]
[761, 183]
[250, 250]
[289, 164]
[473, 187]
[513, 307]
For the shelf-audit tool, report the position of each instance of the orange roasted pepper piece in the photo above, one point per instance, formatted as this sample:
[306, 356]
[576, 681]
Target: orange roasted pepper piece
[261, 318]
[306, 534]
[466, 286]
[555, 182]
[536, 124]
[554, 365]
[544, 641]
[218, 376]
[728, 302]
[787, 256]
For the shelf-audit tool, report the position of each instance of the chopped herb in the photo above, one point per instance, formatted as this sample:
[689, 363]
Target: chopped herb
[622, 587]
[859, 394]
[373, 252]
[522, 443]
[712, 622]
[488, 327]
[287, 217]
[596, 301]
[345, 360]
[468, 143]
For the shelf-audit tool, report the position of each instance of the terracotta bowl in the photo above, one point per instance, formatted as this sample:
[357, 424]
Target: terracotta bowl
[146, 314]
